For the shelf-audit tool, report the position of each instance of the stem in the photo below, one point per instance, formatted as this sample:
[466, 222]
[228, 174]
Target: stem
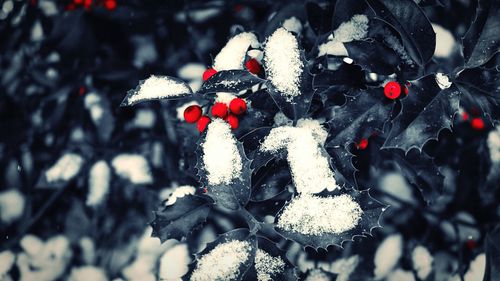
[253, 223]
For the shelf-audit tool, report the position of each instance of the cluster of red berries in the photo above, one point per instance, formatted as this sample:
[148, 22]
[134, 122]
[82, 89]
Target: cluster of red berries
[86, 4]
[477, 123]
[252, 65]
[237, 106]
[392, 90]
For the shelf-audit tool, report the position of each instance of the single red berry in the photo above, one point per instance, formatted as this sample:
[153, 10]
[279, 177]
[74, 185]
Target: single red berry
[81, 90]
[203, 123]
[219, 109]
[110, 4]
[208, 73]
[238, 106]
[363, 144]
[78, 2]
[87, 4]
[392, 90]
[477, 123]
[253, 66]
[233, 121]
[205, 190]
[192, 113]
[471, 244]
[406, 91]
[465, 116]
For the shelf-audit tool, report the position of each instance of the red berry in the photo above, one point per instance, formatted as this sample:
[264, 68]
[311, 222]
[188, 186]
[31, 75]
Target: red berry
[238, 106]
[477, 123]
[363, 144]
[81, 90]
[219, 109]
[392, 90]
[208, 73]
[253, 66]
[78, 2]
[192, 113]
[110, 4]
[406, 90]
[87, 4]
[470, 244]
[233, 121]
[465, 115]
[205, 190]
[203, 123]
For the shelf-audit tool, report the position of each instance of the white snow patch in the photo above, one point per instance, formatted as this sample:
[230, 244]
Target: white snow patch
[317, 275]
[233, 54]
[445, 42]
[144, 118]
[223, 262]
[476, 269]
[133, 167]
[99, 180]
[280, 119]
[354, 29]
[310, 169]
[422, 262]
[224, 97]
[494, 144]
[221, 157]
[396, 185]
[87, 273]
[180, 192]
[191, 71]
[157, 87]
[7, 259]
[443, 81]
[344, 267]
[37, 31]
[49, 8]
[312, 215]
[293, 24]
[400, 275]
[65, 168]
[387, 255]
[11, 205]
[174, 262]
[93, 105]
[283, 64]
[267, 266]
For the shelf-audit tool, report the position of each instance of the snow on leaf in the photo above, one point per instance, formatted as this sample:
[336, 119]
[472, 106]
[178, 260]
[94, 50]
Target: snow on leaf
[177, 220]
[227, 176]
[271, 263]
[481, 41]
[338, 216]
[230, 81]
[387, 255]
[132, 167]
[408, 19]
[229, 257]
[233, 54]
[155, 88]
[65, 169]
[425, 112]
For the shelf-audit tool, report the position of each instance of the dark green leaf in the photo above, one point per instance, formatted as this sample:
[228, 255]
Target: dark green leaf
[174, 93]
[230, 81]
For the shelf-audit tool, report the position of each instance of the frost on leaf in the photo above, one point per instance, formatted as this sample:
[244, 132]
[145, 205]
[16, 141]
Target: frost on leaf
[157, 87]
[227, 258]
[99, 180]
[422, 262]
[233, 54]
[306, 156]
[267, 266]
[132, 167]
[335, 218]
[387, 255]
[289, 79]
[177, 220]
[425, 112]
[230, 81]
[354, 29]
[223, 167]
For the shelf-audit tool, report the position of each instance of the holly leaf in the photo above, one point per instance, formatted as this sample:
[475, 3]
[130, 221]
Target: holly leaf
[408, 19]
[271, 180]
[345, 9]
[233, 195]
[230, 81]
[481, 42]
[373, 56]
[478, 88]
[319, 19]
[240, 234]
[360, 117]
[155, 88]
[372, 210]
[178, 220]
[426, 111]
[421, 171]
